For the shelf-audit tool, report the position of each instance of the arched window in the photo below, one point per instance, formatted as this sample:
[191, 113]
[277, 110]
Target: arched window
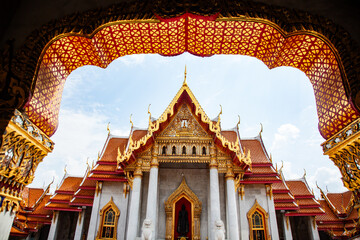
[257, 221]
[183, 150]
[173, 150]
[163, 150]
[204, 151]
[194, 150]
[109, 216]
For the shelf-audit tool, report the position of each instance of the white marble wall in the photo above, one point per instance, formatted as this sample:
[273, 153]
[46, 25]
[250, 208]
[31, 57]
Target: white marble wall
[252, 193]
[6, 220]
[198, 181]
[114, 190]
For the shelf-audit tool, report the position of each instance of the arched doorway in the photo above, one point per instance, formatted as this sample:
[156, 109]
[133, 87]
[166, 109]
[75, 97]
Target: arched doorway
[181, 201]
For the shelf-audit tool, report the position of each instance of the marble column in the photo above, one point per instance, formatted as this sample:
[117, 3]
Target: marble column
[244, 222]
[151, 208]
[6, 221]
[313, 229]
[233, 229]
[273, 231]
[95, 213]
[54, 226]
[133, 220]
[287, 227]
[214, 192]
[80, 225]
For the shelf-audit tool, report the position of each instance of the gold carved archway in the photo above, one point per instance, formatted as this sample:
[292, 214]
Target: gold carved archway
[183, 191]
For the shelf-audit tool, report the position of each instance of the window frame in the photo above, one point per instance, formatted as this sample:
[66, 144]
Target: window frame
[110, 205]
[265, 217]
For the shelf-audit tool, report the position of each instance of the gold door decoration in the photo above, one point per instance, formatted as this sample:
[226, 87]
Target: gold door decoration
[183, 191]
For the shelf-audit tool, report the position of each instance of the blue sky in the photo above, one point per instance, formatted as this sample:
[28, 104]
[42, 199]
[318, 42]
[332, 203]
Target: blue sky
[281, 99]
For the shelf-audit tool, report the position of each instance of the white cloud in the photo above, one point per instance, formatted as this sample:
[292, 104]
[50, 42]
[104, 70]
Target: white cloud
[285, 134]
[133, 59]
[81, 135]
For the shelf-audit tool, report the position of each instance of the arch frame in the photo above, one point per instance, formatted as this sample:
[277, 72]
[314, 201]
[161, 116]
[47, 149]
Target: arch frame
[21, 66]
[183, 191]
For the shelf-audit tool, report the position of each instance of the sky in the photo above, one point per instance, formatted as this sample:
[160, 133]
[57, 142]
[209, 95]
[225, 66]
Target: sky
[281, 99]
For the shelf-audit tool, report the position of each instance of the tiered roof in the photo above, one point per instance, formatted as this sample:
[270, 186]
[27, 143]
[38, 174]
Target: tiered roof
[32, 215]
[60, 201]
[341, 218]
[262, 170]
[305, 199]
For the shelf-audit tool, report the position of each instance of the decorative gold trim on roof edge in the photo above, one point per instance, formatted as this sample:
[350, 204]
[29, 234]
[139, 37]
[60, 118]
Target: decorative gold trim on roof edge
[169, 111]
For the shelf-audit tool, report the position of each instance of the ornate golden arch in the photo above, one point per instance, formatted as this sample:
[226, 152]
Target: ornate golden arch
[253, 209]
[183, 191]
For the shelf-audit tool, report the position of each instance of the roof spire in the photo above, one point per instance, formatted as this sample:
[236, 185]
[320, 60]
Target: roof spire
[108, 128]
[132, 124]
[261, 130]
[237, 125]
[149, 113]
[185, 83]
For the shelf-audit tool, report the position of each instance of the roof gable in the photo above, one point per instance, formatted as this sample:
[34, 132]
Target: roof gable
[184, 95]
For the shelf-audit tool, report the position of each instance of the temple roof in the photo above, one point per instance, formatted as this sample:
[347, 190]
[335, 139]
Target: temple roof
[228, 140]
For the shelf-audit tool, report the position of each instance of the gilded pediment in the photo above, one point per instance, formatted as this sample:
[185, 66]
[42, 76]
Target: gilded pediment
[184, 124]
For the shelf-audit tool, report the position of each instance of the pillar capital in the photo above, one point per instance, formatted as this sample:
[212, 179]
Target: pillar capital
[229, 172]
[213, 157]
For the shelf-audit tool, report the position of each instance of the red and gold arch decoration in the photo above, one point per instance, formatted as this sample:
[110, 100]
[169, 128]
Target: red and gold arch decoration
[198, 35]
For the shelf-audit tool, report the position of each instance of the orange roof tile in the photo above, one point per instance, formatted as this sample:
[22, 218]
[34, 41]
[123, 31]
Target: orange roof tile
[298, 188]
[303, 202]
[70, 184]
[138, 134]
[329, 215]
[31, 195]
[285, 205]
[230, 135]
[61, 206]
[81, 202]
[283, 196]
[111, 149]
[340, 200]
[104, 168]
[257, 153]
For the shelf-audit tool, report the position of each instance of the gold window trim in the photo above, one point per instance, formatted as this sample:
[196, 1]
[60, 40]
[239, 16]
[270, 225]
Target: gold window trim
[257, 208]
[109, 205]
[183, 191]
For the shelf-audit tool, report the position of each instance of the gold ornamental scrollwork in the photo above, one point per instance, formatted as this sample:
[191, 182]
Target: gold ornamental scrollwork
[23, 147]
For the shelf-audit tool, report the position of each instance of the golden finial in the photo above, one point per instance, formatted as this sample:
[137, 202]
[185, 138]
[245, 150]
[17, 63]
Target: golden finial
[98, 158]
[108, 128]
[238, 122]
[132, 124]
[87, 162]
[65, 169]
[282, 165]
[185, 83]
[149, 112]
[276, 167]
[270, 158]
[304, 174]
[261, 129]
[220, 110]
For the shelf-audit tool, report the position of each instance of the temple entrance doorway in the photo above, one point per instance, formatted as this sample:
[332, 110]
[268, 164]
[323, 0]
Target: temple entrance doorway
[183, 210]
[183, 219]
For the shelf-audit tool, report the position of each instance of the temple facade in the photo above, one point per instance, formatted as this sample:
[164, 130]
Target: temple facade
[181, 178]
